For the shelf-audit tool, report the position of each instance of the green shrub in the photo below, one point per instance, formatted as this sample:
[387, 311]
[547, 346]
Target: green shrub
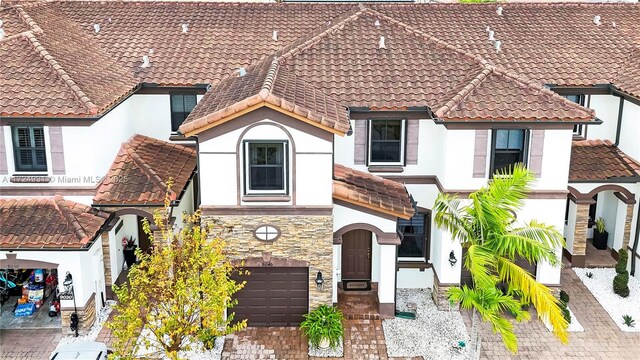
[600, 225]
[208, 338]
[325, 322]
[564, 303]
[623, 257]
[621, 284]
[628, 320]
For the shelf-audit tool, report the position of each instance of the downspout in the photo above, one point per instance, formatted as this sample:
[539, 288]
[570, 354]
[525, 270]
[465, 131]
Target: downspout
[197, 187]
[619, 126]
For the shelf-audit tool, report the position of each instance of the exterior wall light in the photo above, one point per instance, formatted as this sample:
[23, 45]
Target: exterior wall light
[319, 281]
[452, 258]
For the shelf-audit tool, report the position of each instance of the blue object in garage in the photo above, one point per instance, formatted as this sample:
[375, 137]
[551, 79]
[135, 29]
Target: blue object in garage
[25, 309]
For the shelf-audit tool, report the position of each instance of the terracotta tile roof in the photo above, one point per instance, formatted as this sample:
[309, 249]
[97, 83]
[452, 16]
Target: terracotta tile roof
[372, 192]
[61, 72]
[628, 79]
[270, 84]
[546, 43]
[600, 160]
[51, 223]
[141, 169]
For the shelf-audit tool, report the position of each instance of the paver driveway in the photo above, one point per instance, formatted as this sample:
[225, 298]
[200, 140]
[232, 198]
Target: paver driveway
[363, 340]
[28, 344]
[602, 339]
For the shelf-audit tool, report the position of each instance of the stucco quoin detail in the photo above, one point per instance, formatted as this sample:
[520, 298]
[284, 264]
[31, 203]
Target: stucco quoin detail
[383, 238]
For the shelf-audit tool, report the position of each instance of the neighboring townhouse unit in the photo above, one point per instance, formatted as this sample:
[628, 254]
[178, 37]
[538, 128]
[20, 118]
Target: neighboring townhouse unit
[321, 133]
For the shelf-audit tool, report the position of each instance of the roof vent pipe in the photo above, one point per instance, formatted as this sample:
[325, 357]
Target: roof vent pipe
[497, 45]
[491, 37]
[499, 11]
[1, 33]
[377, 23]
[613, 23]
[145, 61]
[487, 29]
[96, 28]
[185, 28]
[274, 35]
[109, 19]
[596, 20]
[242, 71]
[381, 43]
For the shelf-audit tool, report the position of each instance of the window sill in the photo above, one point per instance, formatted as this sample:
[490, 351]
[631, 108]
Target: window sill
[266, 198]
[422, 265]
[386, 168]
[30, 178]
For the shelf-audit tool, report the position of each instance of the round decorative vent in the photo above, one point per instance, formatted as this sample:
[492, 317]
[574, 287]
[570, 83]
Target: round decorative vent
[266, 233]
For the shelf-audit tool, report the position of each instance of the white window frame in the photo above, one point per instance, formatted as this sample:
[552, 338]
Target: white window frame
[285, 168]
[403, 138]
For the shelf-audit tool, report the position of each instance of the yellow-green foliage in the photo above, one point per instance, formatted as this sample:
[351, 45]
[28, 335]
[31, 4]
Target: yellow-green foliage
[179, 292]
[485, 226]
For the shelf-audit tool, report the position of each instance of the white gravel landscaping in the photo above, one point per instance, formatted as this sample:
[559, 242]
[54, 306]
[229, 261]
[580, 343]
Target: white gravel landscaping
[197, 352]
[574, 325]
[431, 335]
[601, 286]
[95, 329]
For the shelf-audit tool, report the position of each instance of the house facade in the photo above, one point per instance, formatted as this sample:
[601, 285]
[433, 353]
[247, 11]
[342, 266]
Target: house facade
[322, 143]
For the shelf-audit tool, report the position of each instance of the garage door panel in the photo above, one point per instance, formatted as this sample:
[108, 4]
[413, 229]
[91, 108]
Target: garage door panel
[273, 296]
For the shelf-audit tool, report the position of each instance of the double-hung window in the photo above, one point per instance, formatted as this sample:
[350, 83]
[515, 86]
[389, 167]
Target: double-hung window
[578, 129]
[415, 237]
[181, 106]
[509, 148]
[386, 142]
[29, 149]
[266, 167]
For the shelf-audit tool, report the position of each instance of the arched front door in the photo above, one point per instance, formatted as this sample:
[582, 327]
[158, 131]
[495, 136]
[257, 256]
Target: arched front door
[356, 255]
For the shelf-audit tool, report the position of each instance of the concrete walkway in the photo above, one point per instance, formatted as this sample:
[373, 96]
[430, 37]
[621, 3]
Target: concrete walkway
[602, 339]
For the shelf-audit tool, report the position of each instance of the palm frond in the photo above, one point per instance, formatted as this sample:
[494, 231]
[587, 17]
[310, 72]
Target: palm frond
[541, 297]
[509, 187]
[534, 242]
[481, 263]
[453, 216]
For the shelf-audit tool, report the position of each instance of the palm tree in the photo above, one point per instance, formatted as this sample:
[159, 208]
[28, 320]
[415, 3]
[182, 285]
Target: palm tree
[485, 226]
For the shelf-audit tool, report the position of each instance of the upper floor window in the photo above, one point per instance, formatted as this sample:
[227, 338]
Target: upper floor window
[578, 129]
[386, 142]
[508, 148]
[181, 106]
[266, 167]
[415, 237]
[29, 149]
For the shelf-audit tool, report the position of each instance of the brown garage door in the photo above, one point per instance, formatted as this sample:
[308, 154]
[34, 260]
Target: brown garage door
[273, 296]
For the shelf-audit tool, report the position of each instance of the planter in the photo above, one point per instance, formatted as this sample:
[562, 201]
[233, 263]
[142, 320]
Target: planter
[129, 256]
[324, 344]
[600, 240]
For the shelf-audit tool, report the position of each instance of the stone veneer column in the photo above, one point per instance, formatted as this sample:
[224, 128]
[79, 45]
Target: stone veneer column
[439, 294]
[106, 258]
[580, 235]
[306, 238]
[626, 238]
[86, 317]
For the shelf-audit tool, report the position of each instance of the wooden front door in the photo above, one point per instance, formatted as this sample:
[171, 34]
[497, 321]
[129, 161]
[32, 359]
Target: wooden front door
[356, 255]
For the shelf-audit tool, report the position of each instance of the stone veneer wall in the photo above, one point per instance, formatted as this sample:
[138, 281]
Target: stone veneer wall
[580, 232]
[439, 295]
[86, 317]
[302, 237]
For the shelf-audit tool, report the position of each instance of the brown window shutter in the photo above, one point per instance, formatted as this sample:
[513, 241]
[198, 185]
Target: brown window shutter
[57, 151]
[480, 154]
[536, 150]
[413, 127]
[3, 153]
[360, 141]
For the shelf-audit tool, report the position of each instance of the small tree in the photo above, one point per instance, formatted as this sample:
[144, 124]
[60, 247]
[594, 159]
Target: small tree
[179, 292]
[621, 280]
[486, 227]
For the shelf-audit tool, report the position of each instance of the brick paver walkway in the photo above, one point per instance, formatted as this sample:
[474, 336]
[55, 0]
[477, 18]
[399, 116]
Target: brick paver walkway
[363, 340]
[28, 344]
[602, 339]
